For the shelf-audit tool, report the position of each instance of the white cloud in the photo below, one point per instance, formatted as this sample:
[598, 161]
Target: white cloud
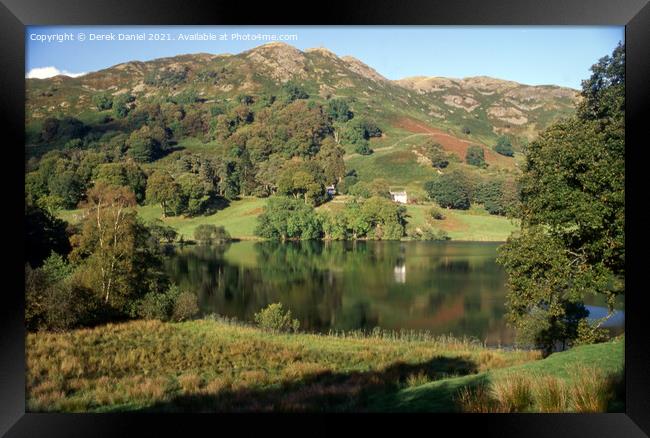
[48, 72]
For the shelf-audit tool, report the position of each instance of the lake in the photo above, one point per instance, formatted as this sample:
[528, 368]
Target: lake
[445, 287]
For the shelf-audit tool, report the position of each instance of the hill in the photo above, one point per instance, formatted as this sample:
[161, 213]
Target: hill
[486, 106]
[228, 126]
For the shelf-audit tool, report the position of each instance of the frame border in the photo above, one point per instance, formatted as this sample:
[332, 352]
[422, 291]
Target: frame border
[634, 14]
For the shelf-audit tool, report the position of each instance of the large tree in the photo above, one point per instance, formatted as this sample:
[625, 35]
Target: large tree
[119, 260]
[572, 241]
[163, 189]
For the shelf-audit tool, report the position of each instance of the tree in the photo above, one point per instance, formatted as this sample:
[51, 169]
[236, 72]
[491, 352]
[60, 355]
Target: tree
[434, 152]
[504, 147]
[123, 174]
[286, 218]
[292, 91]
[330, 158]
[475, 156]
[111, 245]
[44, 234]
[450, 190]
[162, 189]
[572, 213]
[103, 101]
[339, 110]
[197, 193]
[208, 233]
[489, 193]
[143, 147]
[363, 148]
[303, 180]
[387, 220]
[67, 186]
[604, 91]
[121, 106]
[160, 231]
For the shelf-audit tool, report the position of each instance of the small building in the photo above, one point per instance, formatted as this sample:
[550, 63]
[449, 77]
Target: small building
[400, 197]
[331, 190]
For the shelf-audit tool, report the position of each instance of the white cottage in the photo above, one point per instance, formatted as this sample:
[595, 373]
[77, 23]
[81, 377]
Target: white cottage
[400, 197]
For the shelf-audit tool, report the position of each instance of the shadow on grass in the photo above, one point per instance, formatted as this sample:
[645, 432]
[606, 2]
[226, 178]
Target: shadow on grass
[324, 391]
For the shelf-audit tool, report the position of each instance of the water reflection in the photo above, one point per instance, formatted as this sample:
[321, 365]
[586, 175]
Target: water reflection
[451, 287]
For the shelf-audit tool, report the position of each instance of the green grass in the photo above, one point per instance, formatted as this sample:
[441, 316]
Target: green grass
[217, 365]
[607, 358]
[471, 225]
[214, 365]
[239, 218]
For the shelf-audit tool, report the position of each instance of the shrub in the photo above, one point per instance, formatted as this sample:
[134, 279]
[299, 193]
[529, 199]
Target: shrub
[274, 318]
[208, 233]
[55, 300]
[159, 305]
[185, 307]
[362, 148]
[339, 110]
[171, 305]
[103, 101]
[504, 147]
[450, 190]
[286, 218]
[161, 231]
[427, 232]
[435, 213]
[475, 156]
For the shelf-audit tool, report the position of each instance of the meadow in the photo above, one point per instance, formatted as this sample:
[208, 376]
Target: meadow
[220, 365]
[240, 219]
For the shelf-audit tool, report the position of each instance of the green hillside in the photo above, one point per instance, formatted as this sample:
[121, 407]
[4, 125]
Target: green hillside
[229, 130]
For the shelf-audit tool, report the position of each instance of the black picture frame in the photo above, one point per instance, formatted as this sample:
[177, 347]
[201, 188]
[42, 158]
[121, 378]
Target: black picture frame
[16, 14]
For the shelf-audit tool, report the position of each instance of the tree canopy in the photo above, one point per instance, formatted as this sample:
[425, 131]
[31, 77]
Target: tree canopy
[572, 242]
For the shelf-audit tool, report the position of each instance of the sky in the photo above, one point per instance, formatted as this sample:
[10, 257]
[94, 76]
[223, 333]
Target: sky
[533, 55]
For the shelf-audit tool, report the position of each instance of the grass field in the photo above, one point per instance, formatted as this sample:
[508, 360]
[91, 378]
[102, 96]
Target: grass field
[466, 225]
[240, 219]
[213, 365]
[573, 369]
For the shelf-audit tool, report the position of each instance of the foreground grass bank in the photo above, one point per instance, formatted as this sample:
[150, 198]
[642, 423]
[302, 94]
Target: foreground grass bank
[217, 366]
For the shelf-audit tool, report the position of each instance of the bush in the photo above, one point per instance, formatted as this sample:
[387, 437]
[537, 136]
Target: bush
[185, 307]
[287, 218]
[161, 231]
[53, 303]
[475, 156]
[339, 110]
[159, 305]
[274, 318]
[450, 190]
[208, 233]
[103, 101]
[362, 148]
[504, 147]
[435, 213]
[429, 233]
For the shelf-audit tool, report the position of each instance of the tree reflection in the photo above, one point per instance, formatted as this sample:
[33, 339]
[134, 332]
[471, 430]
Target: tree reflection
[450, 287]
